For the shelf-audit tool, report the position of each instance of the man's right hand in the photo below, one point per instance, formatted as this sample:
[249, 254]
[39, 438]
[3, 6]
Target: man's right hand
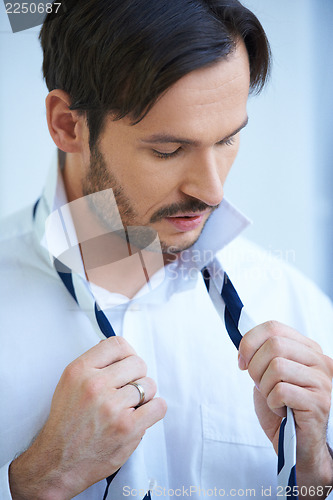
[93, 426]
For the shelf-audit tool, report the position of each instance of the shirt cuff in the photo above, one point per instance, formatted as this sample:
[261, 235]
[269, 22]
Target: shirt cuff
[4, 483]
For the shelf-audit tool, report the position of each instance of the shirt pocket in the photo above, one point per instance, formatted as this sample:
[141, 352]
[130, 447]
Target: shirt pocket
[236, 455]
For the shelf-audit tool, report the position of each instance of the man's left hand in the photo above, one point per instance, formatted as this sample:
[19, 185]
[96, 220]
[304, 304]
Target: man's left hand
[291, 370]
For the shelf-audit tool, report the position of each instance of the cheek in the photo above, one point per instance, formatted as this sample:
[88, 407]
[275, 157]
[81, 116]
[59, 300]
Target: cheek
[224, 158]
[149, 184]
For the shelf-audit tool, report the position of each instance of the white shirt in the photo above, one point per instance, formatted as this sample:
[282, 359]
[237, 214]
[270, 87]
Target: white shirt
[210, 442]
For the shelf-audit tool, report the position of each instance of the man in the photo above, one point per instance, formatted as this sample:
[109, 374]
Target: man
[147, 100]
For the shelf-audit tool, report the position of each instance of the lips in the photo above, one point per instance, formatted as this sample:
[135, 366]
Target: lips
[186, 222]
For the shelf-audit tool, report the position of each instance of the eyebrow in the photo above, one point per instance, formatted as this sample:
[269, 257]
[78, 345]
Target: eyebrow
[167, 138]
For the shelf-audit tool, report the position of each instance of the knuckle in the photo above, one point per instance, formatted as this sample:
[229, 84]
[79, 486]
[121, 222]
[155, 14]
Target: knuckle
[125, 426]
[329, 365]
[73, 372]
[274, 344]
[327, 406]
[273, 327]
[161, 407]
[110, 411]
[164, 406]
[152, 384]
[280, 391]
[92, 387]
[316, 346]
[277, 366]
[122, 344]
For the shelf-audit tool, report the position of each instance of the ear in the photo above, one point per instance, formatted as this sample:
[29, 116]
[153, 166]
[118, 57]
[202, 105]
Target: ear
[68, 128]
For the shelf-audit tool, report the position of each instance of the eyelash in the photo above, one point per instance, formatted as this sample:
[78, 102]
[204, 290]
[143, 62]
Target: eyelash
[165, 156]
[229, 142]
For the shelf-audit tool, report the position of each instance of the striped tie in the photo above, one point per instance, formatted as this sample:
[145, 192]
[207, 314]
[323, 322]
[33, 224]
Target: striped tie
[104, 325]
[235, 317]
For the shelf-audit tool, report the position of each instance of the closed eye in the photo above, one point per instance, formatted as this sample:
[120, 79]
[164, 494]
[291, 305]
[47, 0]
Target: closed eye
[165, 156]
[227, 142]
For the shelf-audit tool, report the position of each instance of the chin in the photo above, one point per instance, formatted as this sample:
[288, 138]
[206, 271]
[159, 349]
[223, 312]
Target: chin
[178, 244]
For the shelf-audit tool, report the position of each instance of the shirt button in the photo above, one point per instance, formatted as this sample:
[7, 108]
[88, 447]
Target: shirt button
[152, 483]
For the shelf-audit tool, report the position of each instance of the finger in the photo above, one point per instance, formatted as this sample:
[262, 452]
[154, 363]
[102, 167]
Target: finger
[282, 347]
[284, 370]
[124, 371]
[106, 352]
[268, 420]
[255, 338]
[130, 395]
[299, 399]
[150, 413]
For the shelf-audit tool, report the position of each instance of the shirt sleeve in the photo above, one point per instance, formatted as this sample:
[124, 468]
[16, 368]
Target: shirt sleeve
[4, 483]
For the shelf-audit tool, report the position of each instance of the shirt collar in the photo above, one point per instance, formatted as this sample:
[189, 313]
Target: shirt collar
[223, 226]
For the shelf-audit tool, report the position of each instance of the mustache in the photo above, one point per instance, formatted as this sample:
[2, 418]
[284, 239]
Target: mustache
[191, 206]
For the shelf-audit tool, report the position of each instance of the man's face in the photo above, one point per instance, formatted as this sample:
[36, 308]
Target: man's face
[168, 171]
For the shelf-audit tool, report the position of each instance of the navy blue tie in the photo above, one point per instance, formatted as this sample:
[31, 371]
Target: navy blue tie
[105, 326]
[233, 311]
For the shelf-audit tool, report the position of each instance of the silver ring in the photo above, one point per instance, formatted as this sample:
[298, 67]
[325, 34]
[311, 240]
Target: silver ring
[141, 392]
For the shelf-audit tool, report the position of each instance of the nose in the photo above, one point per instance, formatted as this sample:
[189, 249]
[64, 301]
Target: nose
[204, 178]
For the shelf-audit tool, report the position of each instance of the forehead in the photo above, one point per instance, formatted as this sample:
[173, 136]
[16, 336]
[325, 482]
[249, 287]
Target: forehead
[206, 94]
[203, 105]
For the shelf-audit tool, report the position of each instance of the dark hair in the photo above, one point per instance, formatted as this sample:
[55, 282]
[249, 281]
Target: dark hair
[119, 56]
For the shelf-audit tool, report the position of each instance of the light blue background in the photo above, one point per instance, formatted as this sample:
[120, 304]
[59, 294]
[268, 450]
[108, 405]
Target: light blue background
[282, 178]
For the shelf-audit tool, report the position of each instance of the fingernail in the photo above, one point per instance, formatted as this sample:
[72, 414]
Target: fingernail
[241, 362]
